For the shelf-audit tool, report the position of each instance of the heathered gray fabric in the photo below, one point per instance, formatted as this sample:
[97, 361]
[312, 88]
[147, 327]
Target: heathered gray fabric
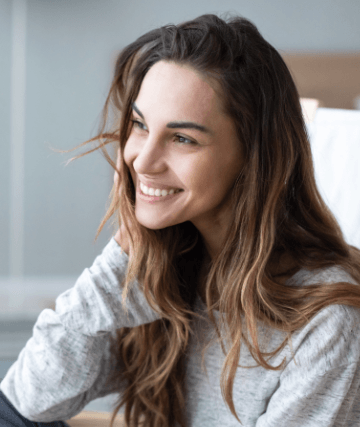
[66, 363]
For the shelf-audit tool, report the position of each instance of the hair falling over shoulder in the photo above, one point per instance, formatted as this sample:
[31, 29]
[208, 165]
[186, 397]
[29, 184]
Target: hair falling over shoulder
[276, 207]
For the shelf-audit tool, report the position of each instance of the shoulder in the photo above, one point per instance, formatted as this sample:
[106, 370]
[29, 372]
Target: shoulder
[326, 275]
[332, 336]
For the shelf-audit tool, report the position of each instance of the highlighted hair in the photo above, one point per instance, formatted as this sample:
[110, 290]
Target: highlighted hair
[276, 210]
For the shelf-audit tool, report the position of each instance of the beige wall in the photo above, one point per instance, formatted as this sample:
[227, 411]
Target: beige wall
[334, 79]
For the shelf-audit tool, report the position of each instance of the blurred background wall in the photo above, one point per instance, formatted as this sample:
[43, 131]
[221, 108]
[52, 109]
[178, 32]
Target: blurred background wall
[56, 60]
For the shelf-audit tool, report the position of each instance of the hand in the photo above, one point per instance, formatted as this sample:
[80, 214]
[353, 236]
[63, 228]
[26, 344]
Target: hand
[122, 239]
[118, 166]
[121, 236]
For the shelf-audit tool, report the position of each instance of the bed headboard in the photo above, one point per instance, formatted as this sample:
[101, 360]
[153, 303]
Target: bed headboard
[334, 79]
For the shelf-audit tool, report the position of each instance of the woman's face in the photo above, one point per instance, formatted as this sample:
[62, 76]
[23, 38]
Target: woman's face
[181, 140]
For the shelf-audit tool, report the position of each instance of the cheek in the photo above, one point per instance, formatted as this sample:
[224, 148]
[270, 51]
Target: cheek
[216, 178]
[206, 174]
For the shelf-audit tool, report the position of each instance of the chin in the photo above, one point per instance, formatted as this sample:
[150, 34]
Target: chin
[152, 225]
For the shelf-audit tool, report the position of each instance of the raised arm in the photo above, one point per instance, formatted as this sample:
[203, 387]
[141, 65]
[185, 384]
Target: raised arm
[66, 362]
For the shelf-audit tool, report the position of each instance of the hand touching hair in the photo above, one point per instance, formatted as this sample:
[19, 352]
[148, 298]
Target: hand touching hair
[121, 236]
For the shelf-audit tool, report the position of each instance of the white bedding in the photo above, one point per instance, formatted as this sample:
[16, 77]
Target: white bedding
[335, 142]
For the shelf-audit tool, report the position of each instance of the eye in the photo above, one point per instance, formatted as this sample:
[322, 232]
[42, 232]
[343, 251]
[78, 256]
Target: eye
[137, 124]
[185, 141]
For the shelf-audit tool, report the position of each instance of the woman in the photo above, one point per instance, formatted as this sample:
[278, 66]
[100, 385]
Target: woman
[223, 234]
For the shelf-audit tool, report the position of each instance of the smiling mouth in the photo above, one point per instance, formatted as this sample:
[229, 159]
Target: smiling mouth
[156, 199]
[146, 191]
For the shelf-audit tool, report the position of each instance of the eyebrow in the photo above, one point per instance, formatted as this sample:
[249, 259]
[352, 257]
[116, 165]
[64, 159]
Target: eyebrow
[177, 125]
[135, 108]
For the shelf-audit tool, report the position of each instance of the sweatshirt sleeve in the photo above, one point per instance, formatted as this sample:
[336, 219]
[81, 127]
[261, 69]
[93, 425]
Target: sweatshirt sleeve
[320, 386]
[67, 362]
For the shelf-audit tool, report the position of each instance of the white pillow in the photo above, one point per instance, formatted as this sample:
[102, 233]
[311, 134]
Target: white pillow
[335, 143]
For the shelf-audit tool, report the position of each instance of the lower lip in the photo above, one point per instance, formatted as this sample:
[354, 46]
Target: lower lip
[153, 199]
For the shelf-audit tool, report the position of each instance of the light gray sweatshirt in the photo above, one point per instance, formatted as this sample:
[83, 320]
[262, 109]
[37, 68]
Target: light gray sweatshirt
[66, 363]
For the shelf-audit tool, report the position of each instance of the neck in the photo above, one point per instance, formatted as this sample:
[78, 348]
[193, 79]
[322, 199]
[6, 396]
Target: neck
[203, 276]
[213, 229]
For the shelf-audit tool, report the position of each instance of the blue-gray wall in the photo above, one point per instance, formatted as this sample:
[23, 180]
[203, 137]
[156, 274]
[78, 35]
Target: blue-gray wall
[70, 50]
[5, 53]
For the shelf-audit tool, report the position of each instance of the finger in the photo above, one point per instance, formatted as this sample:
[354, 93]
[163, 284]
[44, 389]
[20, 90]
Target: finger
[118, 165]
[123, 240]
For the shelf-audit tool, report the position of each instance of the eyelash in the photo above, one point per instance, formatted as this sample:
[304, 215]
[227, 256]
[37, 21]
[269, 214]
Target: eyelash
[138, 124]
[191, 142]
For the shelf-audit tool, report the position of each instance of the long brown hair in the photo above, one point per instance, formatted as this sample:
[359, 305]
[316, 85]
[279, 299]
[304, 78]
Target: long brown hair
[276, 210]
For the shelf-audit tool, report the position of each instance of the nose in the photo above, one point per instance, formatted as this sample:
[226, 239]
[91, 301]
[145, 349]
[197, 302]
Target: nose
[149, 157]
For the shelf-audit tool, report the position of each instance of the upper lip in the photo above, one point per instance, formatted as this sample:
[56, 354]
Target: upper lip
[158, 185]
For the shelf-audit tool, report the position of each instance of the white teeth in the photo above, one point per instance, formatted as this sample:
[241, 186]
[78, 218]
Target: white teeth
[156, 192]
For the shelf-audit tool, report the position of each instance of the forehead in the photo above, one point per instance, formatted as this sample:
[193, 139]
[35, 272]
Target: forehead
[173, 89]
